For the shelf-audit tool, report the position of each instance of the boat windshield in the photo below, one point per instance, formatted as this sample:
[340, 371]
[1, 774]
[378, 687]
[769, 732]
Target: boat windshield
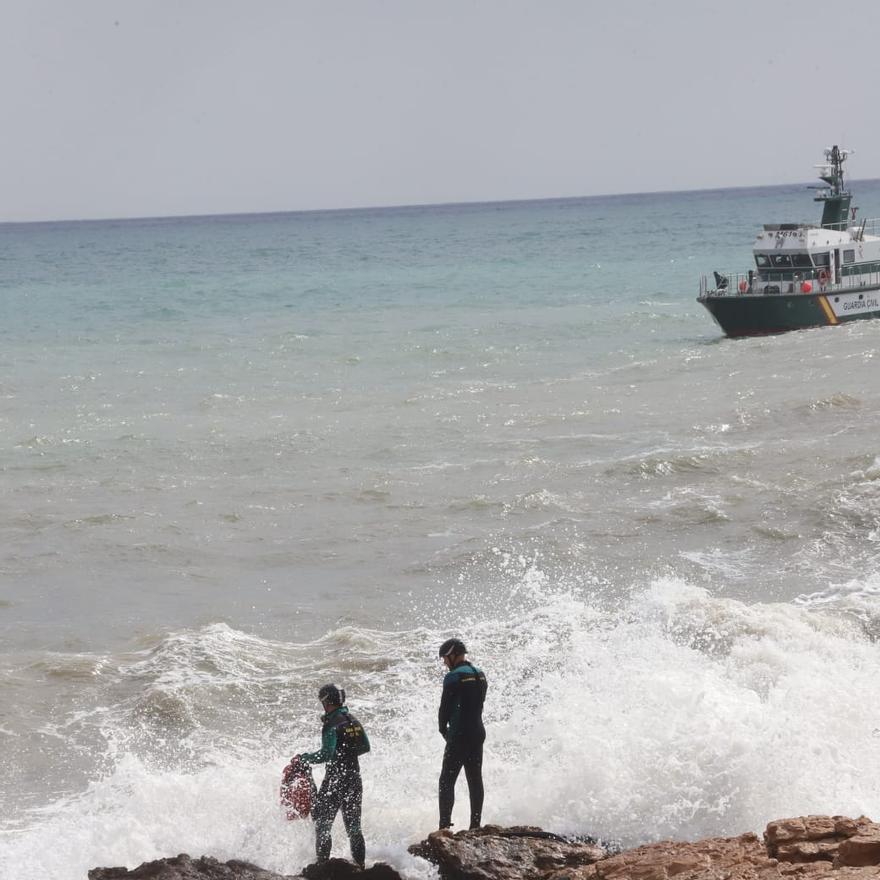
[783, 261]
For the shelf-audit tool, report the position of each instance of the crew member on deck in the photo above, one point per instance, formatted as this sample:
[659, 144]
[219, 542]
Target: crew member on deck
[461, 724]
[343, 740]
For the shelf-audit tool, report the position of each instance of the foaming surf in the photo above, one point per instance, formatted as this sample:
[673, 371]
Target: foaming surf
[675, 714]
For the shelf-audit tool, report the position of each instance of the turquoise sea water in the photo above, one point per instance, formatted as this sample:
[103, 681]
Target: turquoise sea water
[243, 455]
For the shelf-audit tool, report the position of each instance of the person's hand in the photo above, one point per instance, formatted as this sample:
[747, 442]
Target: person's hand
[294, 761]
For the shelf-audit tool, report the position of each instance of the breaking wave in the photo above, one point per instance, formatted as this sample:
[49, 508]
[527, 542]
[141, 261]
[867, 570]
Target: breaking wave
[676, 714]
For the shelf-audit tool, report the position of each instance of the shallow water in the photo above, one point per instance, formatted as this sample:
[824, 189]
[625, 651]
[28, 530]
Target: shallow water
[242, 456]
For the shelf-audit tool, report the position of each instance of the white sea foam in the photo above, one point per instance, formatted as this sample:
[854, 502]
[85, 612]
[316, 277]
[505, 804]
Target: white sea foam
[678, 715]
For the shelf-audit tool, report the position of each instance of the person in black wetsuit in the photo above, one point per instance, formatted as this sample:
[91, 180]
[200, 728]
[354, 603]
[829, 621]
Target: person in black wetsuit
[461, 724]
[343, 740]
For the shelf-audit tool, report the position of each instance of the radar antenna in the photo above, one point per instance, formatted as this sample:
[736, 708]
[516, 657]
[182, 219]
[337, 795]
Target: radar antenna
[837, 199]
[832, 171]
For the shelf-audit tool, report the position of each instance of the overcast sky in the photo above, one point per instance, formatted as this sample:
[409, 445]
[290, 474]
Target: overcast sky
[160, 107]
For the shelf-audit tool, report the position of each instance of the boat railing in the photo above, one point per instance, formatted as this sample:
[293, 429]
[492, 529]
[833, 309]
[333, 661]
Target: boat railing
[860, 228]
[804, 281]
[868, 226]
[727, 283]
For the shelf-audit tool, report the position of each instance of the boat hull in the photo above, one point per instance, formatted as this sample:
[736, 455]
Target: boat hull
[758, 314]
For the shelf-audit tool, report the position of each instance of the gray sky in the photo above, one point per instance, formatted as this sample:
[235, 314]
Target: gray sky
[118, 109]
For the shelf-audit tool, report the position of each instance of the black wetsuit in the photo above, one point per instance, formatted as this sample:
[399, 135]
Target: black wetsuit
[342, 740]
[461, 723]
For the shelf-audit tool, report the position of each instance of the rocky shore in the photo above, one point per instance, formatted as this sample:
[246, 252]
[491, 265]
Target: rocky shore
[802, 848]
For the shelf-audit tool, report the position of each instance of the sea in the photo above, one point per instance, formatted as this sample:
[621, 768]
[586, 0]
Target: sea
[244, 456]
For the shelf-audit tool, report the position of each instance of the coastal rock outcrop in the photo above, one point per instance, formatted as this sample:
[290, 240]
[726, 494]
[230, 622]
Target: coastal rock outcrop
[800, 848]
[716, 857]
[838, 839]
[339, 869]
[495, 853]
[183, 867]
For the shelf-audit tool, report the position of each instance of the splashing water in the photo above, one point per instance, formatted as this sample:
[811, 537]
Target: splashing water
[678, 714]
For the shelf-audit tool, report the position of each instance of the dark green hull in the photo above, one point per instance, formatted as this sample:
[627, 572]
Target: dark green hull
[758, 314]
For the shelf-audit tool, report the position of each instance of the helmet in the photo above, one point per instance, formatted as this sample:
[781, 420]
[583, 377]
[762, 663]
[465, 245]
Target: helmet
[329, 693]
[452, 646]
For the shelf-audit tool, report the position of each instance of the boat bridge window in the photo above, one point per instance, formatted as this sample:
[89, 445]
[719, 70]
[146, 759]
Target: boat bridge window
[849, 256]
[822, 259]
[783, 261]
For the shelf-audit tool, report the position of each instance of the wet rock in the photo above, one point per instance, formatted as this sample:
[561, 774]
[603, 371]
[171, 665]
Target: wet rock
[495, 853]
[799, 848]
[340, 869]
[183, 867]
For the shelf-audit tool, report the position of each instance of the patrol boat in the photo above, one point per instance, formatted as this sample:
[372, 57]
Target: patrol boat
[805, 275]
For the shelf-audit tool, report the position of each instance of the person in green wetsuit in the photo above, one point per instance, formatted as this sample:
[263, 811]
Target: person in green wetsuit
[460, 720]
[343, 741]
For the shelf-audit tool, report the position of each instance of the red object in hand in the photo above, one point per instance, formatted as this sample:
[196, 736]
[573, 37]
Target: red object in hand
[297, 789]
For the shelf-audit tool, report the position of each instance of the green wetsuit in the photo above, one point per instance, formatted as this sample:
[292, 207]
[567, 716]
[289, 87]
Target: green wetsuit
[460, 720]
[343, 739]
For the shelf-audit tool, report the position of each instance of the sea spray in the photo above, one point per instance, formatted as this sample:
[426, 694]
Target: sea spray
[678, 714]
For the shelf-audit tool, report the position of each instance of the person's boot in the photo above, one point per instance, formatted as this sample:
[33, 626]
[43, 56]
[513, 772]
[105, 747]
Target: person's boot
[359, 851]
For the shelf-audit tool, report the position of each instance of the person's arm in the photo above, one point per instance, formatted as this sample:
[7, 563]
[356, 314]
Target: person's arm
[325, 753]
[366, 745]
[447, 701]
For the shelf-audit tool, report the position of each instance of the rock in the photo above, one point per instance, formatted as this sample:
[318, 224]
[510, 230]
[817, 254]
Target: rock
[861, 849]
[807, 839]
[714, 857]
[183, 867]
[799, 848]
[340, 869]
[802, 851]
[785, 830]
[495, 853]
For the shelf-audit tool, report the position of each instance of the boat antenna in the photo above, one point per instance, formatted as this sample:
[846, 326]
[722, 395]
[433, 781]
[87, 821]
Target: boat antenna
[832, 171]
[837, 199]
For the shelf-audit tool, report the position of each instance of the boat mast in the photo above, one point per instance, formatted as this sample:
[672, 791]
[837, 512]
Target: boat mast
[837, 198]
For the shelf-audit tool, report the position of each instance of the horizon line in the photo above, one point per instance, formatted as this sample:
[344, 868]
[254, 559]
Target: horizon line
[404, 206]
